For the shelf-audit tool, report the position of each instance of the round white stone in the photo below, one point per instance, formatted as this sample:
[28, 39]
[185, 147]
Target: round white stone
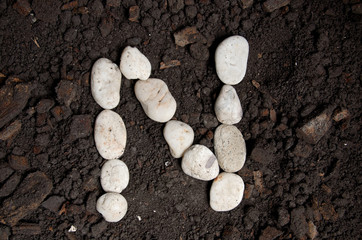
[135, 65]
[179, 137]
[230, 149]
[226, 192]
[110, 135]
[231, 58]
[114, 176]
[112, 206]
[156, 99]
[106, 83]
[227, 106]
[200, 163]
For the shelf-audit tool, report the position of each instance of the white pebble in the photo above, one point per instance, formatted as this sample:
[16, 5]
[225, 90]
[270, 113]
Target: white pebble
[227, 106]
[156, 99]
[114, 176]
[179, 137]
[135, 65]
[230, 148]
[110, 135]
[112, 206]
[106, 83]
[226, 192]
[200, 163]
[231, 58]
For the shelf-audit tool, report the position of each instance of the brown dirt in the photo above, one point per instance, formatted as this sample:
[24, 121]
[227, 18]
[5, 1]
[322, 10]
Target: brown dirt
[304, 59]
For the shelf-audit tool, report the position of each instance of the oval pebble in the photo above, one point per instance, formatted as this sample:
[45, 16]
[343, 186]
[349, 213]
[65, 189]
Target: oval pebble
[230, 148]
[231, 58]
[114, 176]
[135, 65]
[200, 163]
[179, 137]
[227, 106]
[156, 99]
[106, 83]
[110, 135]
[226, 192]
[112, 206]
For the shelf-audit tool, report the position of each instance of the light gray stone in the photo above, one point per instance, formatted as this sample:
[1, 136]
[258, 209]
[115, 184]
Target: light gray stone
[226, 192]
[227, 106]
[231, 59]
[230, 148]
[200, 163]
[156, 100]
[110, 134]
[112, 206]
[114, 176]
[135, 65]
[106, 83]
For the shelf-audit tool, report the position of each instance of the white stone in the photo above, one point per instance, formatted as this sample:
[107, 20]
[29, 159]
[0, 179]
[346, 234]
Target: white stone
[231, 58]
[112, 206]
[114, 176]
[226, 192]
[227, 106]
[179, 137]
[110, 134]
[200, 163]
[106, 83]
[230, 149]
[156, 100]
[135, 65]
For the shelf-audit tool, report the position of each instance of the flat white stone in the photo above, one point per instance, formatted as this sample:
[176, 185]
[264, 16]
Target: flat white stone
[226, 192]
[231, 58]
[135, 65]
[227, 106]
[230, 149]
[110, 134]
[156, 100]
[112, 206]
[179, 137]
[106, 83]
[200, 163]
[114, 176]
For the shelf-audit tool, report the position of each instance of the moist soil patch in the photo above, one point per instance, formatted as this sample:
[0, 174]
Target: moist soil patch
[304, 72]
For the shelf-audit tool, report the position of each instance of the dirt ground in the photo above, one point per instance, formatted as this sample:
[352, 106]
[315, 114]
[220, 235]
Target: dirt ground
[304, 70]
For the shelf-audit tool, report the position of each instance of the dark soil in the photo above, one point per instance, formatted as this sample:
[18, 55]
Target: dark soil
[304, 59]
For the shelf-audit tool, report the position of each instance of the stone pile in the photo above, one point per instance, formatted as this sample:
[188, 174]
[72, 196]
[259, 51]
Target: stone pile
[198, 161]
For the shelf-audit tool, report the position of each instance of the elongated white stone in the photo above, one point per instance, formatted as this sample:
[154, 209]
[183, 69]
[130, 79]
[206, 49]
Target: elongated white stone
[135, 65]
[114, 176]
[231, 58]
[226, 192]
[106, 83]
[227, 106]
[200, 163]
[179, 137]
[110, 134]
[156, 100]
[230, 148]
[112, 206]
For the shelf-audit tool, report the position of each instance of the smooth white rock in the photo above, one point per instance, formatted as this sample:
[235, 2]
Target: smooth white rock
[106, 83]
[227, 106]
[200, 163]
[114, 176]
[179, 137]
[156, 100]
[135, 65]
[110, 134]
[231, 58]
[112, 206]
[226, 192]
[230, 148]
